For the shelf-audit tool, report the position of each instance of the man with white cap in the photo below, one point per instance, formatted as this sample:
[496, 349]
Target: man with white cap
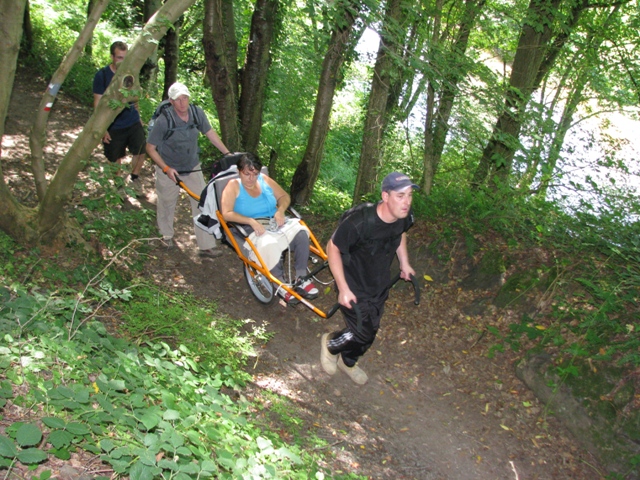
[174, 149]
[360, 260]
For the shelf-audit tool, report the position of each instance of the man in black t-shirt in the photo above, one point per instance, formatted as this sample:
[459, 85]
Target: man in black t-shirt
[362, 269]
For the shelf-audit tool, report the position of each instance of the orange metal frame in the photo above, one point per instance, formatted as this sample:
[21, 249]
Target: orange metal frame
[259, 266]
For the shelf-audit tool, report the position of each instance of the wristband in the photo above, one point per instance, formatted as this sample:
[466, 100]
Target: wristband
[164, 170]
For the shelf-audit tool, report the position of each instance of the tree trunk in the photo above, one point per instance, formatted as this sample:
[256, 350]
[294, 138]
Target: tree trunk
[580, 73]
[50, 221]
[306, 173]
[221, 54]
[535, 55]
[437, 125]
[11, 21]
[254, 74]
[366, 181]
[171, 57]
[27, 31]
[149, 71]
[37, 137]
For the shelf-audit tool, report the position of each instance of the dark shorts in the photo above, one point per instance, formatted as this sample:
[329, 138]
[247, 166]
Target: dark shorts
[132, 137]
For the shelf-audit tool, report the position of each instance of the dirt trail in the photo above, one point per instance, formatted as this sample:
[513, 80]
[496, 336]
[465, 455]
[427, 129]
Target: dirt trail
[435, 406]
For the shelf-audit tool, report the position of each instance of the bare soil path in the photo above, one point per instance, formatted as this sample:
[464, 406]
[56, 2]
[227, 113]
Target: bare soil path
[435, 407]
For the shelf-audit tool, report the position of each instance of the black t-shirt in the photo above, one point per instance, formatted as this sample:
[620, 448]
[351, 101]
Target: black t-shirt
[367, 262]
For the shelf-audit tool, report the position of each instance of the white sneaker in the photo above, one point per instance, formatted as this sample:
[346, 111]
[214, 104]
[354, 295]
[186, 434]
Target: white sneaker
[355, 373]
[328, 361]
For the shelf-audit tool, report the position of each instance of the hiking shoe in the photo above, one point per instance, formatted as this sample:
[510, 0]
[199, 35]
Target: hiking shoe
[328, 361]
[355, 373]
[135, 185]
[307, 290]
[288, 298]
[210, 253]
[168, 242]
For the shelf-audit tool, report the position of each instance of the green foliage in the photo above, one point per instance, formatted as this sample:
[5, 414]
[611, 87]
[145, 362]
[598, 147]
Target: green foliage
[148, 411]
[54, 32]
[154, 314]
[102, 214]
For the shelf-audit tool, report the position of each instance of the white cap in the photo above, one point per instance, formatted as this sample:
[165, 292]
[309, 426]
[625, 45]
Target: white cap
[178, 89]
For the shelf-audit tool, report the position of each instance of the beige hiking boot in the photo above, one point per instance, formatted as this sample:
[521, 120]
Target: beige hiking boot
[355, 373]
[328, 361]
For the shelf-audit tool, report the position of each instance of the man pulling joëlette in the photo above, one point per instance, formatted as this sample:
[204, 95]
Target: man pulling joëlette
[178, 154]
[362, 268]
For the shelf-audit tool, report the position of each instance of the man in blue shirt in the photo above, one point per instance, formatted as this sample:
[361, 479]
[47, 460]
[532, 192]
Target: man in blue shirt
[126, 131]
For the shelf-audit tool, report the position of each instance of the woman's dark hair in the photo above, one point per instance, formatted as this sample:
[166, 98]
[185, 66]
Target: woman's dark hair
[250, 161]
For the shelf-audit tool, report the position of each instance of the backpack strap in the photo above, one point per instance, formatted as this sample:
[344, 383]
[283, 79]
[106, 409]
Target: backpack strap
[194, 115]
[171, 122]
[369, 220]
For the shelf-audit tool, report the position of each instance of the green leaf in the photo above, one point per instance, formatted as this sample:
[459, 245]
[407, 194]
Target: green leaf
[107, 445]
[60, 438]
[32, 455]
[7, 447]
[263, 443]
[190, 467]
[150, 420]
[91, 448]
[6, 390]
[140, 471]
[62, 453]
[171, 415]
[45, 475]
[208, 466]
[82, 396]
[28, 435]
[53, 422]
[168, 464]
[77, 428]
[119, 452]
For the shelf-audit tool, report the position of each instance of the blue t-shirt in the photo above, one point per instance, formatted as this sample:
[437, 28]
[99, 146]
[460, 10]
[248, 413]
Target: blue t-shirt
[262, 206]
[127, 117]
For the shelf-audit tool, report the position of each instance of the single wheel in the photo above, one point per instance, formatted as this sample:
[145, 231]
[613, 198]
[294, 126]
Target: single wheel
[260, 285]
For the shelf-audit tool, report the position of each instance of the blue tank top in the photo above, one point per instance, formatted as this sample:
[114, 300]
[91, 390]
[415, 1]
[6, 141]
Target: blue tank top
[262, 206]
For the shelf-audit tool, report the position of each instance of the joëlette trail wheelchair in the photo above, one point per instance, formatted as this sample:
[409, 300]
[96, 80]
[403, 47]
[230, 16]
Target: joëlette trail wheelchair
[262, 283]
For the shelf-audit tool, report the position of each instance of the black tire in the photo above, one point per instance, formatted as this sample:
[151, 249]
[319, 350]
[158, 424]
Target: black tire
[260, 286]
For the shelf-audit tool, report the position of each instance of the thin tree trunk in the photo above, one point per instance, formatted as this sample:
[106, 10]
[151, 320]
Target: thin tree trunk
[221, 54]
[171, 57]
[366, 181]
[437, 128]
[37, 137]
[254, 74]
[306, 173]
[27, 28]
[536, 53]
[149, 71]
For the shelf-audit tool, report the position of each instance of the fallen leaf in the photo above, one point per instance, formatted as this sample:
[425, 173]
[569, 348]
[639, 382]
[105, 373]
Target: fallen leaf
[505, 427]
[428, 278]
